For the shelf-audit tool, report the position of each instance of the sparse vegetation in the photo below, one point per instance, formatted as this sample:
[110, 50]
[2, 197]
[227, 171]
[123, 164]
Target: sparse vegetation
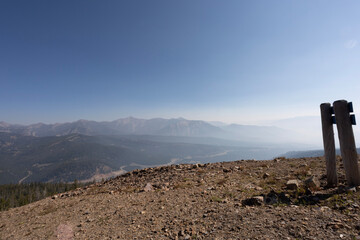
[216, 199]
[229, 194]
[48, 209]
[182, 185]
[221, 181]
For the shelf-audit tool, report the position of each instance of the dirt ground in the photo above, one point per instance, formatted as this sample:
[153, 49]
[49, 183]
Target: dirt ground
[229, 200]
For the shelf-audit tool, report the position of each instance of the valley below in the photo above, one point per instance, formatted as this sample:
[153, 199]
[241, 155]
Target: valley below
[88, 150]
[87, 158]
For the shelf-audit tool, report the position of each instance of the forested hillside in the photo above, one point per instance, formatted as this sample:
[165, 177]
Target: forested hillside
[16, 195]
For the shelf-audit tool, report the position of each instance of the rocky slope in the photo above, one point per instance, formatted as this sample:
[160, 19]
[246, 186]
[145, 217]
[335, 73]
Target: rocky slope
[231, 200]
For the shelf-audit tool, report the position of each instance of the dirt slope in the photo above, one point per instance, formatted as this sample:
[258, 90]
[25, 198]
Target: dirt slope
[197, 202]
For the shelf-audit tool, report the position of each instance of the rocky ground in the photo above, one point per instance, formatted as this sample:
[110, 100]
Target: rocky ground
[278, 199]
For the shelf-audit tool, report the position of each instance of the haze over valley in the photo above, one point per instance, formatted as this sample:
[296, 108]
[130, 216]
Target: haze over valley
[87, 150]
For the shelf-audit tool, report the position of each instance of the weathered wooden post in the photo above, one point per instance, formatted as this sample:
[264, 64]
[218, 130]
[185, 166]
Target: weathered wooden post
[329, 143]
[347, 142]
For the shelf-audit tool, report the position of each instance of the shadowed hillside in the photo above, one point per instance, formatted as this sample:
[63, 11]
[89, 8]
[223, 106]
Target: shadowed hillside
[75, 156]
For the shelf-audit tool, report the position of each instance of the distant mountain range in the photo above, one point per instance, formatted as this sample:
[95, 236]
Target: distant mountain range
[85, 150]
[157, 126]
[125, 126]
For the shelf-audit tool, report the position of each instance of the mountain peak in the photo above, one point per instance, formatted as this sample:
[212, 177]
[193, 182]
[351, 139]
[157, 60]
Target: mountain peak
[83, 120]
[4, 124]
[181, 118]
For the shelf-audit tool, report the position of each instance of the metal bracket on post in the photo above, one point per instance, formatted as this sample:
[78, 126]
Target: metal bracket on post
[352, 119]
[352, 116]
[333, 120]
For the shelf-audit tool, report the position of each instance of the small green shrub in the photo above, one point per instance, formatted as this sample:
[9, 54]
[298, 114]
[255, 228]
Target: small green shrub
[216, 199]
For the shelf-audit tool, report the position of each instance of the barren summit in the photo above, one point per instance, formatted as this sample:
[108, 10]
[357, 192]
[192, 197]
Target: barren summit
[230, 200]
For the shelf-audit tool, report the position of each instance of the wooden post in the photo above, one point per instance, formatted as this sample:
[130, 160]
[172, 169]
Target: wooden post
[329, 144]
[347, 142]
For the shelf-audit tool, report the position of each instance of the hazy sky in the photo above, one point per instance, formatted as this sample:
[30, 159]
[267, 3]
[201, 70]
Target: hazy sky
[233, 61]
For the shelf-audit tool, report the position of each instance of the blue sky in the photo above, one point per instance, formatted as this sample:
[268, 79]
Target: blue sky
[231, 61]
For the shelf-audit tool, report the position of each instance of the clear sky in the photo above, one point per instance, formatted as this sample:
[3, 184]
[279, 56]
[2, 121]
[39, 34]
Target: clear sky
[232, 61]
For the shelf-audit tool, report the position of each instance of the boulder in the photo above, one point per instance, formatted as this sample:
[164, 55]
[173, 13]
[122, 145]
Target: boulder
[312, 183]
[254, 201]
[148, 188]
[292, 184]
